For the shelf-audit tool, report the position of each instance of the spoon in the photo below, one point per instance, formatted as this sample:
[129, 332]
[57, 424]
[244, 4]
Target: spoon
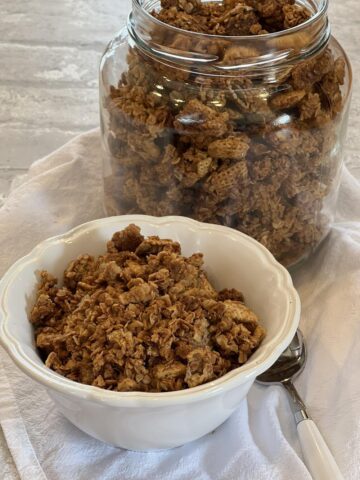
[317, 455]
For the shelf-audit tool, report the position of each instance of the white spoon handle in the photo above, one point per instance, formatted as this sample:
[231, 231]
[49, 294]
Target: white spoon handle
[317, 455]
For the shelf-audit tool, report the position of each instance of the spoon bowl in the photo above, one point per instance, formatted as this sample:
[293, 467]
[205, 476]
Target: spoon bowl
[317, 455]
[289, 365]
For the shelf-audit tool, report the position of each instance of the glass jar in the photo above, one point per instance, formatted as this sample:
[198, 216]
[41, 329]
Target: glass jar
[246, 131]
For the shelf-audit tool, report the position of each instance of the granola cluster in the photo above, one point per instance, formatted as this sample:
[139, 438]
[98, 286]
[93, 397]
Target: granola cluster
[255, 155]
[141, 317]
[232, 17]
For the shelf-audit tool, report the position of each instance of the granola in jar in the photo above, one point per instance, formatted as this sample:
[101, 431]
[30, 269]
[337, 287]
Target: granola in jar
[228, 112]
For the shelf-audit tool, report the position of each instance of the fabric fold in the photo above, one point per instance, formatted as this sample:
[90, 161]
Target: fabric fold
[259, 442]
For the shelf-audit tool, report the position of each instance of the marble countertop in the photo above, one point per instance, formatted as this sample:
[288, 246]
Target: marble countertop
[49, 57]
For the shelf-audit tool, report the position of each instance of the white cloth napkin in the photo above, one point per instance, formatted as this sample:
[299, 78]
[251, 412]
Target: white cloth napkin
[259, 441]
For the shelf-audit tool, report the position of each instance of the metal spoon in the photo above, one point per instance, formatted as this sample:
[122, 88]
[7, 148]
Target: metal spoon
[317, 455]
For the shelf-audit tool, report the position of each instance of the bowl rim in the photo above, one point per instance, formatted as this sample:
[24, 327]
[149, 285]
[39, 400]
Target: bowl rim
[230, 380]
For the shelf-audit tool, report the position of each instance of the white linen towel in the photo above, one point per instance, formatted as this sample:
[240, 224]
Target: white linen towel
[259, 442]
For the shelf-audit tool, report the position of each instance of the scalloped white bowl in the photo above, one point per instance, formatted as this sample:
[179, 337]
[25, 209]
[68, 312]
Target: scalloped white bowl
[150, 421]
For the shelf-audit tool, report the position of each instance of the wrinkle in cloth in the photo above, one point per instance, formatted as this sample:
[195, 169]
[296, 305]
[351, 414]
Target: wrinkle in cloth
[259, 441]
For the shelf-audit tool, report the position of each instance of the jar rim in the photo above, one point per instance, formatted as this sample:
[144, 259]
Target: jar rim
[211, 54]
[322, 9]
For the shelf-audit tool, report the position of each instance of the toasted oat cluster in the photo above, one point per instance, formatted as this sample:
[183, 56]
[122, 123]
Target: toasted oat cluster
[141, 317]
[232, 17]
[258, 154]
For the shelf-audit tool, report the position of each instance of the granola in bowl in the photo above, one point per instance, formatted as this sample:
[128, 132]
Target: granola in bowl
[128, 419]
[141, 317]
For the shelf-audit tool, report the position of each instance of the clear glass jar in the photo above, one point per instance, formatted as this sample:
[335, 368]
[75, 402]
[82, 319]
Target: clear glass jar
[242, 131]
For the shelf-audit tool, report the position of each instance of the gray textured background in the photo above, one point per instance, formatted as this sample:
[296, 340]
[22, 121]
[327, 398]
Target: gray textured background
[49, 56]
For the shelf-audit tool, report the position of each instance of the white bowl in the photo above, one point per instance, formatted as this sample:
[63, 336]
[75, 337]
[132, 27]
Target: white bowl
[150, 421]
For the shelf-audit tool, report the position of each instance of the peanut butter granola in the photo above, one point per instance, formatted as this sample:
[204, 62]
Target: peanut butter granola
[253, 152]
[232, 17]
[141, 317]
